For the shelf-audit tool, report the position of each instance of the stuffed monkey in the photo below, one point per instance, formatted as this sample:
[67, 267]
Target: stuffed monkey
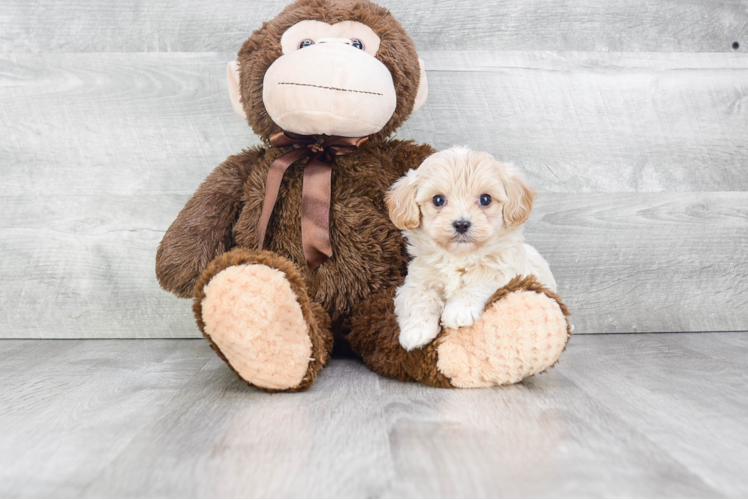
[287, 248]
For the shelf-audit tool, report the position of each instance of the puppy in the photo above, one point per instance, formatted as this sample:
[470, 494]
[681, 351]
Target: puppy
[462, 214]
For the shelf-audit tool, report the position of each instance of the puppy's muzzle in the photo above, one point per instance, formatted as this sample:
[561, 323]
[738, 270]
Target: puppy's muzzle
[461, 226]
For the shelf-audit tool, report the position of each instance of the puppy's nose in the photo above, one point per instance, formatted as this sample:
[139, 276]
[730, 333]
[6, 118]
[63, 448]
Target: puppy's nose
[461, 226]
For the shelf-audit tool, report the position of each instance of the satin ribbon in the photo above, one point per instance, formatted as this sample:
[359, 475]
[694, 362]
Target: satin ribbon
[316, 193]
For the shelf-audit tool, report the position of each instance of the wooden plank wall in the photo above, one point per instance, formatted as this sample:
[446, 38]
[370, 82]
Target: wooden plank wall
[629, 117]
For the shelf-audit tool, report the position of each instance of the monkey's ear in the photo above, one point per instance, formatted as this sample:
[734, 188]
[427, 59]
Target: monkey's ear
[423, 87]
[401, 202]
[232, 79]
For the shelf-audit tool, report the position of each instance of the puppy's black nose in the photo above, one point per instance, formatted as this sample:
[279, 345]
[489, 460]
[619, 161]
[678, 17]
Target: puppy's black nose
[461, 226]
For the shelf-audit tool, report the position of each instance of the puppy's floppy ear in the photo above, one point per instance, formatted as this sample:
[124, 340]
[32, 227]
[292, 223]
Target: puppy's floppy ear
[401, 202]
[232, 80]
[520, 197]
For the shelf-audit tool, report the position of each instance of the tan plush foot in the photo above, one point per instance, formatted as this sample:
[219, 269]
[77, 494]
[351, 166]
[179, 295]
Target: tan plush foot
[519, 335]
[253, 316]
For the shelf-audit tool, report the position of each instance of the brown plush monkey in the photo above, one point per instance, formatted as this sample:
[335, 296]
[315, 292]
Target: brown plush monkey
[288, 248]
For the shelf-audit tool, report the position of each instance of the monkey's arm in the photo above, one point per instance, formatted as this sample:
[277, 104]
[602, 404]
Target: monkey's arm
[203, 229]
[407, 154]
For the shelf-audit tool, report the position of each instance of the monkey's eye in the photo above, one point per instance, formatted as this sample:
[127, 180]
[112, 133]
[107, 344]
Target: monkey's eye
[357, 43]
[484, 200]
[306, 43]
[439, 200]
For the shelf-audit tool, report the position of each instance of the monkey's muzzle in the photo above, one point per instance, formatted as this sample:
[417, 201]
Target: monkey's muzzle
[331, 89]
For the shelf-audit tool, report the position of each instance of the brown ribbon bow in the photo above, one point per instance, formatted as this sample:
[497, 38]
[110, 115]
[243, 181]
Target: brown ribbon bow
[315, 196]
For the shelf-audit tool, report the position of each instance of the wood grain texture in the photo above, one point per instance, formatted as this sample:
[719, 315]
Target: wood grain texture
[619, 416]
[114, 123]
[113, 388]
[82, 267]
[194, 26]
[112, 113]
[331, 442]
[647, 262]
[581, 122]
[159, 123]
[17, 359]
[690, 393]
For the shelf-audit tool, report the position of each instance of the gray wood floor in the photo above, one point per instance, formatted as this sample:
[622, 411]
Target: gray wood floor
[634, 415]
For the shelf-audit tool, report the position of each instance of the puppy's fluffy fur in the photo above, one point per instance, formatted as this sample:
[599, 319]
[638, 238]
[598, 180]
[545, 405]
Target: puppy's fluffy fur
[464, 250]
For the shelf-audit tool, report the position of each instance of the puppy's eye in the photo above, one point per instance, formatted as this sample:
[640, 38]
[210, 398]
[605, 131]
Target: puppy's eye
[484, 200]
[439, 200]
[357, 43]
[306, 43]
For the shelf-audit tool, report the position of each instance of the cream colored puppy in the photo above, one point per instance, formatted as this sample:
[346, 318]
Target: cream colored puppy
[462, 214]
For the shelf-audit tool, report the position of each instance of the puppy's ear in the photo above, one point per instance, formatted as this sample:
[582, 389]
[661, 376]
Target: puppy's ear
[232, 81]
[520, 197]
[401, 202]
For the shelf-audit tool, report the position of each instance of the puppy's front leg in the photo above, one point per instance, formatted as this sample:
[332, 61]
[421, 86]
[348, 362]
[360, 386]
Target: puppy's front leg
[467, 305]
[418, 311]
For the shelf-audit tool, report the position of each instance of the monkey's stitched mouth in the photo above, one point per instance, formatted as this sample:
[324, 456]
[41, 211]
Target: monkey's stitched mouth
[330, 88]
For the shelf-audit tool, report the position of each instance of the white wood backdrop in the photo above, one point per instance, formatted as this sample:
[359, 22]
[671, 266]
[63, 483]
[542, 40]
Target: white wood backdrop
[629, 117]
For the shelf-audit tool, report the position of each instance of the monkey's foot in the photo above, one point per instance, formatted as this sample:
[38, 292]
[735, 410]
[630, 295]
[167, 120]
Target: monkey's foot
[261, 322]
[522, 332]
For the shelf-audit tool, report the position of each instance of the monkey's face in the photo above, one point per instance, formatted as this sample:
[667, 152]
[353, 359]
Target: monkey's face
[328, 81]
[328, 67]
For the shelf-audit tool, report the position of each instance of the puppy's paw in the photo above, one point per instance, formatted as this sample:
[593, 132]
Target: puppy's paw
[415, 336]
[457, 314]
